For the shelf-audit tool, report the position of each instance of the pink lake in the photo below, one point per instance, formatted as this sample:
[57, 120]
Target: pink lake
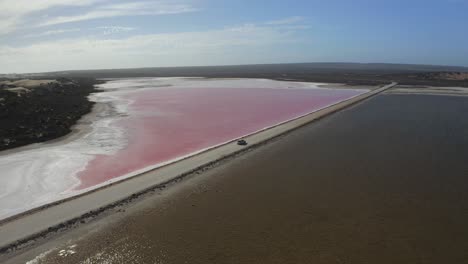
[165, 124]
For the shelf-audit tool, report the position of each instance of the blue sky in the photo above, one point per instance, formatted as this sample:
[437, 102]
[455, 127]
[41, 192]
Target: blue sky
[48, 35]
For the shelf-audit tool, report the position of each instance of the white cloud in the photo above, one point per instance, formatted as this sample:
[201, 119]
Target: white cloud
[286, 21]
[124, 9]
[14, 12]
[231, 45]
[52, 32]
[13, 7]
[109, 30]
[23, 13]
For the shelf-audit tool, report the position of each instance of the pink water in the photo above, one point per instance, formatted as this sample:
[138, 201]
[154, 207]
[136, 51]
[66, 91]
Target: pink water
[168, 123]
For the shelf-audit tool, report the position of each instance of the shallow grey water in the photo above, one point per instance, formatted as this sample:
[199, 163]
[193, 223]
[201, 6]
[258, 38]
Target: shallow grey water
[383, 182]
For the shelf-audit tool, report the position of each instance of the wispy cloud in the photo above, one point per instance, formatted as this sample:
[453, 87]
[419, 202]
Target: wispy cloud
[109, 30]
[16, 14]
[13, 13]
[52, 32]
[227, 45]
[286, 21]
[124, 9]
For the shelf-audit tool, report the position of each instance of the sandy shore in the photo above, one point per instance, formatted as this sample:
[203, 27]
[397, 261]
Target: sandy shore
[81, 128]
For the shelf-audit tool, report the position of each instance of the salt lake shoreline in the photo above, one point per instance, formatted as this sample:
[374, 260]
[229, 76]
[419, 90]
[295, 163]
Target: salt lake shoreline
[10, 238]
[339, 189]
[49, 180]
[87, 131]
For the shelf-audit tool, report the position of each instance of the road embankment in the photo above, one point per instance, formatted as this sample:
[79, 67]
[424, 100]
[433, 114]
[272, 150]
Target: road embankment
[56, 217]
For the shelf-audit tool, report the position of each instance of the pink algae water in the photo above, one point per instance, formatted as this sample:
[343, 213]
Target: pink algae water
[168, 123]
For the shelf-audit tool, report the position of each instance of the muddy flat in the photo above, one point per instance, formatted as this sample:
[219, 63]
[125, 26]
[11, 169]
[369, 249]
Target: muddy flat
[382, 182]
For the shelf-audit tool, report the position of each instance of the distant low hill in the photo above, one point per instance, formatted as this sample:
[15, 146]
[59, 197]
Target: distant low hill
[259, 69]
[350, 73]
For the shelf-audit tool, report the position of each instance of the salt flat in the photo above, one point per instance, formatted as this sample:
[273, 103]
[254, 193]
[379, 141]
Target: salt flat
[149, 122]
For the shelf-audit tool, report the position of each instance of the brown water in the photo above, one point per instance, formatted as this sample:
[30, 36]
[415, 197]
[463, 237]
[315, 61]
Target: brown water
[383, 182]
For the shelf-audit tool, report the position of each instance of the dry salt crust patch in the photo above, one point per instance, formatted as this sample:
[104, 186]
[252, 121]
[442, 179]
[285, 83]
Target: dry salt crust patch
[141, 131]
